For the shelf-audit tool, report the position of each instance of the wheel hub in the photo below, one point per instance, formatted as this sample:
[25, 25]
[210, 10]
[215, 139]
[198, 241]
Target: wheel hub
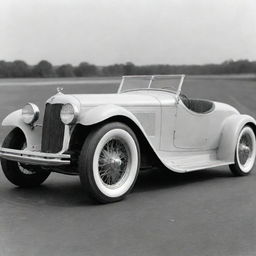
[112, 162]
[115, 163]
[244, 149]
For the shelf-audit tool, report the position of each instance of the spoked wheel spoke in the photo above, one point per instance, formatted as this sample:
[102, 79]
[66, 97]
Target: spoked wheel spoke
[245, 148]
[113, 162]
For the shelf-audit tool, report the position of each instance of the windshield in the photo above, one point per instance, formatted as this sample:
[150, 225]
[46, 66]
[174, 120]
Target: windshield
[170, 83]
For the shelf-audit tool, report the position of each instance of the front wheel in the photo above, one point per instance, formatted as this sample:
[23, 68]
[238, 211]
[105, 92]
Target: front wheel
[17, 173]
[109, 162]
[245, 153]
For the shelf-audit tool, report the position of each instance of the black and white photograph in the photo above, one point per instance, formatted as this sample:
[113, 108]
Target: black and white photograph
[127, 128]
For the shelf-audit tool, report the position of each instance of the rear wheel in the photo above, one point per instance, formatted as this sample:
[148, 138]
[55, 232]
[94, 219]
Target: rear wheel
[245, 153]
[17, 173]
[109, 162]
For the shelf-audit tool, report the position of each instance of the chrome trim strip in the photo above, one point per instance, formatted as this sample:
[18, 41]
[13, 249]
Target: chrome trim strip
[34, 158]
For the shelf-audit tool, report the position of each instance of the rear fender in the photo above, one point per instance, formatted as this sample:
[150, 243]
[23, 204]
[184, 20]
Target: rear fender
[231, 129]
[32, 134]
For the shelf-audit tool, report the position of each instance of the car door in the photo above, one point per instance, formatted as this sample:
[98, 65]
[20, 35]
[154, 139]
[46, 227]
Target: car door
[194, 130]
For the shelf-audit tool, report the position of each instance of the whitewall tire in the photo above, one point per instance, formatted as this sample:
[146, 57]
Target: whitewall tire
[245, 152]
[109, 162]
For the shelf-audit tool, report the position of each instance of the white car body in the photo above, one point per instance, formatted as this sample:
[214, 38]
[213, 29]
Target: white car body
[182, 139]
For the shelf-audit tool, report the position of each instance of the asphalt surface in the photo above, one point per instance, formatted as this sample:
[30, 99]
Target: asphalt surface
[208, 212]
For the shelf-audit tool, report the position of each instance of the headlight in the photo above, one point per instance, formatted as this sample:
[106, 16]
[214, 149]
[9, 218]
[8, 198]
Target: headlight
[69, 114]
[30, 113]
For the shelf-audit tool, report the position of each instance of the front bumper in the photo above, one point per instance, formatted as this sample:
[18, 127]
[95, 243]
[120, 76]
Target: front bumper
[34, 158]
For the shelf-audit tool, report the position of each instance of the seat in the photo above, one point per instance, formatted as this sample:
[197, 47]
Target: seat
[198, 106]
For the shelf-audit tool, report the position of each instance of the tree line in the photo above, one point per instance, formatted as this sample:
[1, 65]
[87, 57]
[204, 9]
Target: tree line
[19, 68]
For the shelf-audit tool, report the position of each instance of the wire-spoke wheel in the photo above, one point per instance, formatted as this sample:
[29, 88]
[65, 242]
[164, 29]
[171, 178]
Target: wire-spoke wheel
[20, 174]
[109, 162]
[113, 162]
[245, 152]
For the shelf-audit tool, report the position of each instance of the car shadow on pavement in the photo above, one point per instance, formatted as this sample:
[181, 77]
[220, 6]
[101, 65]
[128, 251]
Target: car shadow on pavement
[157, 179]
[61, 192]
[67, 191]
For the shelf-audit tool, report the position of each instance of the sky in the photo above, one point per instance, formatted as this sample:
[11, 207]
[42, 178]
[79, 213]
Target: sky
[104, 32]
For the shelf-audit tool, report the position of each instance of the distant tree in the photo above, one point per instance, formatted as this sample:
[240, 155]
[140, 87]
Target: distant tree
[254, 67]
[129, 68]
[20, 68]
[227, 62]
[113, 70]
[243, 66]
[86, 69]
[43, 69]
[3, 69]
[66, 70]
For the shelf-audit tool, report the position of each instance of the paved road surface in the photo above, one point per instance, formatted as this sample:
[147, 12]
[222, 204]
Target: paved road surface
[201, 213]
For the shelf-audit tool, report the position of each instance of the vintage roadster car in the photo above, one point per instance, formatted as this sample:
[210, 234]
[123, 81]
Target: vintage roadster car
[107, 138]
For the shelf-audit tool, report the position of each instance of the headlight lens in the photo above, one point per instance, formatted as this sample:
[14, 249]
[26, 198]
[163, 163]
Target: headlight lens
[30, 113]
[69, 114]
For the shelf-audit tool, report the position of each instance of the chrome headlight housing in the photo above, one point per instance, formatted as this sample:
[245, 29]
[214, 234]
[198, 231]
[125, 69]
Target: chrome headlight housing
[69, 113]
[30, 113]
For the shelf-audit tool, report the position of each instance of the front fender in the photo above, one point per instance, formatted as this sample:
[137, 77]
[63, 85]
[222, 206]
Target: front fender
[101, 113]
[33, 135]
[229, 136]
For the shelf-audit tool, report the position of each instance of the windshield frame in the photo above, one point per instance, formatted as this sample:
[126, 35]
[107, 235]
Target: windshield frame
[151, 79]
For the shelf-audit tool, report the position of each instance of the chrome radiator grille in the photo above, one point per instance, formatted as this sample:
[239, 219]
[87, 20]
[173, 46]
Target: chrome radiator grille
[53, 129]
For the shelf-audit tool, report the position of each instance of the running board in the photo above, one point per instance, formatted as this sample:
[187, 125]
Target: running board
[191, 161]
